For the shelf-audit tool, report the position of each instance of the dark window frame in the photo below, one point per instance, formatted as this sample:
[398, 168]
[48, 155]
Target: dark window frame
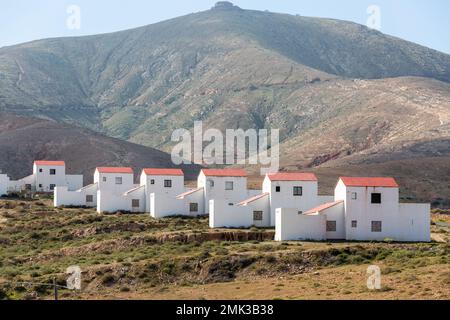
[331, 226]
[375, 198]
[193, 207]
[168, 183]
[258, 215]
[295, 191]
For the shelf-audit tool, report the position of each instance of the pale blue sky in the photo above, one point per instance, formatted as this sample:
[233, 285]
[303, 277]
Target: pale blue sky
[420, 21]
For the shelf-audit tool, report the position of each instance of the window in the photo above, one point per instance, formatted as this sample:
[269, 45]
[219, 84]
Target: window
[118, 180]
[300, 212]
[376, 197]
[28, 187]
[257, 215]
[331, 226]
[277, 189]
[135, 203]
[104, 179]
[40, 185]
[52, 187]
[231, 204]
[298, 191]
[52, 172]
[376, 226]
[211, 183]
[167, 183]
[354, 196]
[229, 185]
[152, 181]
[193, 207]
[354, 224]
[40, 170]
[89, 198]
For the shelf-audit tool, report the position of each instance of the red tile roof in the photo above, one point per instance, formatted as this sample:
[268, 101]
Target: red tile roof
[224, 172]
[163, 172]
[114, 170]
[323, 207]
[253, 199]
[49, 163]
[292, 176]
[386, 182]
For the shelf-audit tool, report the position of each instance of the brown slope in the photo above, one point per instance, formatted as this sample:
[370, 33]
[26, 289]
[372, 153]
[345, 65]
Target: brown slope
[23, 140]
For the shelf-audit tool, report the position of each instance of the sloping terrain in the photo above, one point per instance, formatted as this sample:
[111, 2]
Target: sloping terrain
[138, 257]
[23, 140]
[342, 95]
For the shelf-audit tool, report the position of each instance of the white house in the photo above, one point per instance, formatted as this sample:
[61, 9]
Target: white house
[46, 176]
[4, 183]
[295, 190]
[364, 209]
[116, 190]
[83, 197]
[161, 188]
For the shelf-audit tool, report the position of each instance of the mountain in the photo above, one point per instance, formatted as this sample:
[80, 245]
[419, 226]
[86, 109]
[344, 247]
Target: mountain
[343, 95]
[23, 140]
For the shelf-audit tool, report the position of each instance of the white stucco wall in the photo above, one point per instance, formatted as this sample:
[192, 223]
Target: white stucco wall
[64, 197]
[291, 226]
[263, 205]
[414, 221]
[163, 205]
[74, 181]
[336, 213]
[168, 194]
[196, 197]
[222, 215]
[364, 212]
[44, 180]
[4, 183]
[110, 183]
[234, 196]
[286, 199]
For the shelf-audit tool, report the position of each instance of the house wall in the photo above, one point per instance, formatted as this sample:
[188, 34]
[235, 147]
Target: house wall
[414, 221]
[364, 212]
[159, 189]
[64, 197]
[110, 184]
[44, 180]
[222, 215]
[4, 183]
[163, 205]
[234, 196]
[108, 201]
[74, 182]
[286, 199]
[18, 185]
[290, 226]
[336, 213]
[263, 205]
[196, 197]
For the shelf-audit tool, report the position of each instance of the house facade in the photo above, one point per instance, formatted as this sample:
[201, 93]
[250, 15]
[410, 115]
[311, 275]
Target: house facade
[161, 188]
[4, 183]
[47, 175]
[365, 209]
[294, 190]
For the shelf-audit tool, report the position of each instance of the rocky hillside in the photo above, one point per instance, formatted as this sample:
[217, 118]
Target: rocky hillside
[342, 94]
[23, 140]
